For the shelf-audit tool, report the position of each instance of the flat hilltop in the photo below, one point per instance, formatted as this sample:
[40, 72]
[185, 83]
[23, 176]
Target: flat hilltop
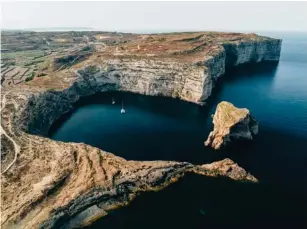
[31, 55]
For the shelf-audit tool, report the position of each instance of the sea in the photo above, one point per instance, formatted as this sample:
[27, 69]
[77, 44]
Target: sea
[158, 128]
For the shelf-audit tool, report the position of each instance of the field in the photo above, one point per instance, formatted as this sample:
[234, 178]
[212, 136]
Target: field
[27, 55]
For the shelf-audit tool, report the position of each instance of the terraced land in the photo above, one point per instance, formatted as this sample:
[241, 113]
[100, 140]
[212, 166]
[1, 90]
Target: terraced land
[28, 55]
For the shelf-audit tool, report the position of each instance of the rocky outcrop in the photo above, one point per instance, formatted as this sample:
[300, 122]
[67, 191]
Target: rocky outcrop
[55, 184]
[231, 123]
[51, 184]
[193, 83]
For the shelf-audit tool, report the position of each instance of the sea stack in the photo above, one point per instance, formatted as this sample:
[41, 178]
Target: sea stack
[47, 183]
[231, 123]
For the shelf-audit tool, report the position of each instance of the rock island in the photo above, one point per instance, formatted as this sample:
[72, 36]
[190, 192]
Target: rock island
[50, 184]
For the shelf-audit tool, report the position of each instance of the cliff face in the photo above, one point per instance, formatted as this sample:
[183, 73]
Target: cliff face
[252, 51]
[46, 183]
[193, 83]
[231, 123]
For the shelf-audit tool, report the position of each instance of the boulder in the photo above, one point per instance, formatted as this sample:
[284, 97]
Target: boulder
[231, 123]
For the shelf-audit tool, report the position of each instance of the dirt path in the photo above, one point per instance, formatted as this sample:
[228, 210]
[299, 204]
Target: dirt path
[16, 149]
[2, 131]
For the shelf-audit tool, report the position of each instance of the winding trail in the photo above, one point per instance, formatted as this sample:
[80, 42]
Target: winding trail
[16, 149]
[2, 131]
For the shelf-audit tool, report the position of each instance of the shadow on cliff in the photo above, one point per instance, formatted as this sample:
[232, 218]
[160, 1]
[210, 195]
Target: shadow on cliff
[203, 202]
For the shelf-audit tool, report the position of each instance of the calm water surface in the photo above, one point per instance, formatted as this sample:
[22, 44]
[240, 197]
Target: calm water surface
[156, 128]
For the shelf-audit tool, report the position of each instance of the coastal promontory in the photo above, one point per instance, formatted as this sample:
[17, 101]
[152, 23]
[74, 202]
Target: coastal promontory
[52, 184]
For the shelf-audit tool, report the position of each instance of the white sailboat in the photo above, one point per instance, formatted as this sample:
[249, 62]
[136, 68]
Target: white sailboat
[113, 100]
[122, 111]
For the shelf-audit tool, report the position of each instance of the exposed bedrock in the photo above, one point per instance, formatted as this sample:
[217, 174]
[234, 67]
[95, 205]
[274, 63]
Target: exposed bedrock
[65, 185]
[252, 51]
[231, 123]
[51, 184]
[193, 83]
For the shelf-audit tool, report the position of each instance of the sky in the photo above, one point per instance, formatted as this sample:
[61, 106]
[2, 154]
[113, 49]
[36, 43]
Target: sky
[156, 16]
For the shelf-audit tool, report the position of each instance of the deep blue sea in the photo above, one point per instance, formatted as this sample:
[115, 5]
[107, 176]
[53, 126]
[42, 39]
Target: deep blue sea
[156, 128]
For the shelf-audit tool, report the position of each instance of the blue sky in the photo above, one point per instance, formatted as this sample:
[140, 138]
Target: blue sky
[157, 16]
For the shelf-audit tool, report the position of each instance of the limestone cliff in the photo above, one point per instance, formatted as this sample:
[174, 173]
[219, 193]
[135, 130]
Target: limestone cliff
[50, 184]
[231, 123]
[193, 83]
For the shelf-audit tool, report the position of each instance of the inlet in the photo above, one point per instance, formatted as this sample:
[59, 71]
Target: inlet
[160, 128]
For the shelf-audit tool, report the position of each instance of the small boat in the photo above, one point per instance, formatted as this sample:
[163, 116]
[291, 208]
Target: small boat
[113, 101]
[123, 111]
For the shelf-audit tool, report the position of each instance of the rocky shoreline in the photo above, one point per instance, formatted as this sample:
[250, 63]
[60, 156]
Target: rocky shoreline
[50, 184]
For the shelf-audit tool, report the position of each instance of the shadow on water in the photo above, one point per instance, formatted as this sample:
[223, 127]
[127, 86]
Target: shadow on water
[203, 202]
[250, 70]
[157, 128]
[154, 128]
[247, 72]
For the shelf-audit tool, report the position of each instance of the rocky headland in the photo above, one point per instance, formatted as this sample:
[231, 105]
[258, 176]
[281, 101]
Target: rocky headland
[231, 123]
[51, 184]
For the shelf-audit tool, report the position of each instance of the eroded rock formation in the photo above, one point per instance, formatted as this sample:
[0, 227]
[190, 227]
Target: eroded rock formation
[49, 184]
[231, 123]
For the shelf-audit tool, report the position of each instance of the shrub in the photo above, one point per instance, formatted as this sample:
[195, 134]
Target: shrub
[30, 77]
[41, 74]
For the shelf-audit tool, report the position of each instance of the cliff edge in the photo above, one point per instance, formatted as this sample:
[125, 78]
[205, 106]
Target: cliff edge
[51, 184]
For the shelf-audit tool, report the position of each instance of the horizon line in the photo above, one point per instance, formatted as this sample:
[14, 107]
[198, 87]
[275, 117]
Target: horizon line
[88, 29]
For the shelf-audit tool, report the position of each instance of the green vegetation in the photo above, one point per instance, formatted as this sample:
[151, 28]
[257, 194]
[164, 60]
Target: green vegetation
[29, 54]
[86, 48]
[30, 77]
[28, 58]
[10, 62]
[41, 74]
[33, 62]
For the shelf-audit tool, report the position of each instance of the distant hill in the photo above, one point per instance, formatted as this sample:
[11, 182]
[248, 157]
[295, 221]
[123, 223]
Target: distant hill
[53, 29]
